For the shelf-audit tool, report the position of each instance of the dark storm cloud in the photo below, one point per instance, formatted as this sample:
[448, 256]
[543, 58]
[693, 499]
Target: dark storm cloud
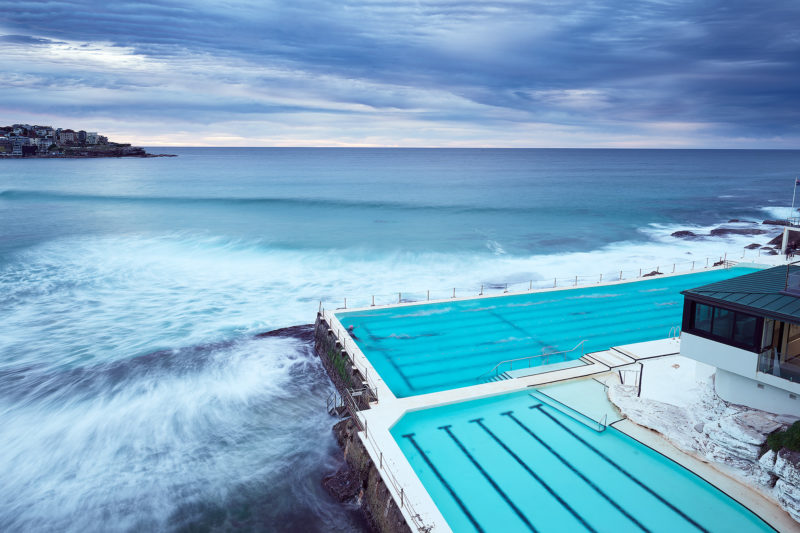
[731, 64]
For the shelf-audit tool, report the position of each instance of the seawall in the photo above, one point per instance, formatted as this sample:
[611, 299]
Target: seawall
[361, 477]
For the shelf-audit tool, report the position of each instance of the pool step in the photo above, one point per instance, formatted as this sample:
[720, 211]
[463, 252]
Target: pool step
[500, 377]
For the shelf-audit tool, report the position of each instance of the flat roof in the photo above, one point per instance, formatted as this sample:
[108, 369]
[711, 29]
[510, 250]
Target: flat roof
[761, 293]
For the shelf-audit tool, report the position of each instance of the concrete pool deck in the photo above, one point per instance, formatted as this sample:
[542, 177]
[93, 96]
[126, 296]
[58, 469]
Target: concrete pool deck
[410, 495]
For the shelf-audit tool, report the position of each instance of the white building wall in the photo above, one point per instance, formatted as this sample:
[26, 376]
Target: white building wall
[737, 378]
[737, 389]
[719, 355]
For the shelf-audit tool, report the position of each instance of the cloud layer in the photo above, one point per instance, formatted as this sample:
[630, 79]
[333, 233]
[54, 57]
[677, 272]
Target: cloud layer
[428, 73]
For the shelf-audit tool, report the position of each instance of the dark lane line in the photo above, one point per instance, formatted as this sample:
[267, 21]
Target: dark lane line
[535, 476]
[620, 469]
[489, 478]
[510, 414]
[410, 437]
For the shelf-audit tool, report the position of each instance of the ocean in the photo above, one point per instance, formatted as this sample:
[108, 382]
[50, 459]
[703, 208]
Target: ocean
[134, 393]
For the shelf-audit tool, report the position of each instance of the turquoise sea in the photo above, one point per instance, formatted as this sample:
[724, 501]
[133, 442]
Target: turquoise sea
[134, 394]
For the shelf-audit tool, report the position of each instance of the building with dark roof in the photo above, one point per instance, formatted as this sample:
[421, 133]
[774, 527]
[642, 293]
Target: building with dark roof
[748, 327]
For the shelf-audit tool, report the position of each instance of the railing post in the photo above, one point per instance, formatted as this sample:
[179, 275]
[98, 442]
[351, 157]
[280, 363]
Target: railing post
[481, 294]
[706, 262]
[454, 292]
[373, 300]
[429, 294]
[576, 281]
[345, 303]
[692, 265]
[555, 281]
[530, 288]
[399, 296]
[506, 288]
[673, 268]
[620, 275]
[640, 272]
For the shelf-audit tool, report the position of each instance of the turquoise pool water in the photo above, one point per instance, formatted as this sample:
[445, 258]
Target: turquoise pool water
[433, 347]
[516, 462]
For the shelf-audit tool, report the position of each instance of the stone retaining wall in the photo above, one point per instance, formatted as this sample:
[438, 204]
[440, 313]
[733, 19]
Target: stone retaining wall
[375, 499]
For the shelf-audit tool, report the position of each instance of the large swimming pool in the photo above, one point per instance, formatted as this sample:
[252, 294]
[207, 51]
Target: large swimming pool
[426, 348]
[517, 462]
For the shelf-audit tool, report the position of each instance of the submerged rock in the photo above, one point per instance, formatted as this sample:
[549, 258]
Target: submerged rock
[753, 246]
[776, 222]
[685, 234]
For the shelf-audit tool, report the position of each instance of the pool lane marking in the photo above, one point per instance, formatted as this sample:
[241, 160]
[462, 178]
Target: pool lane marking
[386, 357]
[535, 476]
[510, 414]
[488, 477]
[627, 474]
[410, 437]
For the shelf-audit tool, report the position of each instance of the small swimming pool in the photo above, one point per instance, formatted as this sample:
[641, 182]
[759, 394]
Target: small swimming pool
[517, 462]
[426, 348]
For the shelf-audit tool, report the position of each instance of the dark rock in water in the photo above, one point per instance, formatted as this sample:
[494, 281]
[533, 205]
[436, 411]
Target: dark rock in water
[343, 484]
[771, 252]
[753, 246]
[776, 222]
[744, 221]
[776, 241]
[720, 232]
[719, 263]
[304, 333]
[685, 234]
[653, 273]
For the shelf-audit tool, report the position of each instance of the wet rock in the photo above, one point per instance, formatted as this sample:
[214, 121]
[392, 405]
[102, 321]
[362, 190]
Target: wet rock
[771, 252]
[685, 234]
[721, 232]
[303, 333]
[653, 273]
[753, 246]
[776, 241]
[343, 484]
[776, 222]
[743, 221]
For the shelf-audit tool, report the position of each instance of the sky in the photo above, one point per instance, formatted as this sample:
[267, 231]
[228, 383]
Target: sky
[449, 73]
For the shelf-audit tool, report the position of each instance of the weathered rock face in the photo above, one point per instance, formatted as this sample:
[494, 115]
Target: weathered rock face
[729, 434]
[374, 497]
[776, 222]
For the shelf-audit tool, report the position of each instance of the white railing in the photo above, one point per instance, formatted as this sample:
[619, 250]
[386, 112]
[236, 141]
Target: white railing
[517, 287]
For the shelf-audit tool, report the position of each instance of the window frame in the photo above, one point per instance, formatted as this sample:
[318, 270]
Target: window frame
[689, 310]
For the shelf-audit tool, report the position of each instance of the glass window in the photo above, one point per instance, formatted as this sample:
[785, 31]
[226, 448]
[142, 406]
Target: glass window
[744, 329]
[702, 317]
[723, 322]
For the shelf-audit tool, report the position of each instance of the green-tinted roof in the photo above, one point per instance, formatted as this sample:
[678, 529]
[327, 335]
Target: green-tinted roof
[762, 293]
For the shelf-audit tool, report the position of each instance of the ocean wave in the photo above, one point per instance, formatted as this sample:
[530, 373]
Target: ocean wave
[11, 195]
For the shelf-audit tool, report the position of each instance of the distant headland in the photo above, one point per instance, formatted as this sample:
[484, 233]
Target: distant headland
[25, 140]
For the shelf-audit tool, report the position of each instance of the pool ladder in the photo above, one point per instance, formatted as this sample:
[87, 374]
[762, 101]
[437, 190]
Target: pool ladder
[519, 362]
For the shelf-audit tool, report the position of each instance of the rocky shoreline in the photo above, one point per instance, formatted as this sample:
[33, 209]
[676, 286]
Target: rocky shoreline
[717, 432]
[93, 152]
[768, 226]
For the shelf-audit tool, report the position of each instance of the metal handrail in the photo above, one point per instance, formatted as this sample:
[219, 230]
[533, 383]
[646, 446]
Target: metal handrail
[601, 425]
[529, 359]
[674, 332]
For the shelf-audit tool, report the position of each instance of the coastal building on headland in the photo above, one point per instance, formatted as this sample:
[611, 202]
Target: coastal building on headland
[26, 140]
[748, 327]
